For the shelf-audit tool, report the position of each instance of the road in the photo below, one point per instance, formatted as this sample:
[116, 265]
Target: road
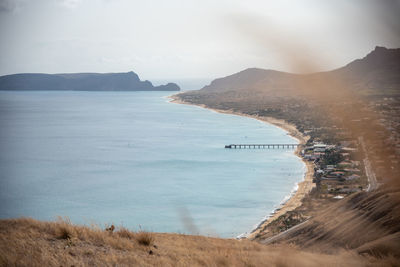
[281, 235]
[372, 182]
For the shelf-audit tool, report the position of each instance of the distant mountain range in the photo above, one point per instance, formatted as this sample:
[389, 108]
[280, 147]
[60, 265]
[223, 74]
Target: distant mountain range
[377, 73]
[80, 82]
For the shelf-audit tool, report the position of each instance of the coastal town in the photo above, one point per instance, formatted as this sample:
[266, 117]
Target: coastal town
[351, 146]
[348, 165]
[344, 161]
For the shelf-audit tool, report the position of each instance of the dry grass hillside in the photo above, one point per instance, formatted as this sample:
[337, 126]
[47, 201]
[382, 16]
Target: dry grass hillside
[28, 242]
[364, 222]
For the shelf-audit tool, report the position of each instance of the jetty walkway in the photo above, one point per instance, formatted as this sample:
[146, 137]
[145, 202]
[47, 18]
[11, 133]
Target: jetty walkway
[260, 146]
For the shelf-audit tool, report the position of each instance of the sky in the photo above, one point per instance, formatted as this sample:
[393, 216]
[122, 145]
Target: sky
[190, 39]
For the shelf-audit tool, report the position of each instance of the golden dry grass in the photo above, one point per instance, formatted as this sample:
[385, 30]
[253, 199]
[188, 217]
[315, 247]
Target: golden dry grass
[368, 222]
[28, 242]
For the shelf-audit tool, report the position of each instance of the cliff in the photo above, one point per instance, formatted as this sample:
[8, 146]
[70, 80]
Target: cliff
[80, 82]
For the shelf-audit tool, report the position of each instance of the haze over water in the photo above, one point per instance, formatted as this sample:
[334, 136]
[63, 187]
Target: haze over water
[132, 158]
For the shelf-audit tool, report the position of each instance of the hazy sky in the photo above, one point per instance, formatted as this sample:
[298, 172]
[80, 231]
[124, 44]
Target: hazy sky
[176, 39]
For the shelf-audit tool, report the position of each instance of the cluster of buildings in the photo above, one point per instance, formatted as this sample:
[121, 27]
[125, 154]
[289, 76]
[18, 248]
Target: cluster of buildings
[336, 173]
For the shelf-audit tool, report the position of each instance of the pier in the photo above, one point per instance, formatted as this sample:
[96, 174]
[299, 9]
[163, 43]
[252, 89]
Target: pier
[261, 146]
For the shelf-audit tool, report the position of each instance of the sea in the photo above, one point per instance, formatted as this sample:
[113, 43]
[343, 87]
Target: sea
[134, 159]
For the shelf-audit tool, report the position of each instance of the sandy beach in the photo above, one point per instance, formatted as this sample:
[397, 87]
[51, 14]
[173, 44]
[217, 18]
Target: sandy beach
[304, 187]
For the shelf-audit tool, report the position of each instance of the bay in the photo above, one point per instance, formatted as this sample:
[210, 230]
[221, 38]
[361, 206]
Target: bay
[134, 159]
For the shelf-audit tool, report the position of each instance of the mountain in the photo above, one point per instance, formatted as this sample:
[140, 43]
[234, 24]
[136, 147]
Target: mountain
[377, 73]
[80, 82]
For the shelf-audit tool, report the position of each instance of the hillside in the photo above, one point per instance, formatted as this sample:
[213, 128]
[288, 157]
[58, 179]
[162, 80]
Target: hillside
[27, 242]
[376, 73]
[367, 222]
[80, 82]
[362, 230]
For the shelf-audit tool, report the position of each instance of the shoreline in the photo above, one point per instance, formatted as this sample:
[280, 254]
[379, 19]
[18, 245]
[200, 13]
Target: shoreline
[303, 187]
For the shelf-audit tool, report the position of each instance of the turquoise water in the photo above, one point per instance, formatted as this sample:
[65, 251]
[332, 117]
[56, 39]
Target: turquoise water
[133, 158]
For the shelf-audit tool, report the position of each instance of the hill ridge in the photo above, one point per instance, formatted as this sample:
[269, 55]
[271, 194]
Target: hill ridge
[128, 81]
